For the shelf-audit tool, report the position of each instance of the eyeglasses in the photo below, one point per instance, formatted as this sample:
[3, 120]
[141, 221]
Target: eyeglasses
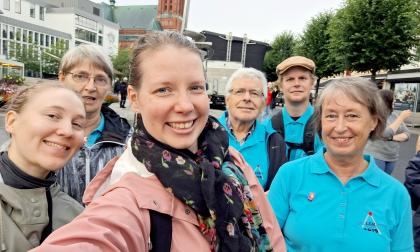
[240, 92]
[84, 78]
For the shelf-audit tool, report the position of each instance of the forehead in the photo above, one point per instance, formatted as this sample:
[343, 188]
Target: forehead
[339, 100]
[57, 97]
[247, 82]
[297, 70]
[87, 66]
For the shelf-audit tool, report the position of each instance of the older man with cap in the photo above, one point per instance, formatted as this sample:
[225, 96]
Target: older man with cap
[296, 79]
[245, 100]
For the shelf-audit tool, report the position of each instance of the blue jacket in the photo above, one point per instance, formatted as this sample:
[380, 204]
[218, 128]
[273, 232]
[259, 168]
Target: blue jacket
[263, 150]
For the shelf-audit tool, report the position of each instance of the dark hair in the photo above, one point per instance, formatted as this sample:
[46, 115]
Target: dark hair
[388, 99]
[360, 90]
[154, 41]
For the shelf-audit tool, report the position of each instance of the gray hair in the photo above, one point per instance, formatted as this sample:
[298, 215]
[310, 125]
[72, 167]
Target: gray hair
[247, 73]
[92, 53]
[360, 90]
[154, 41]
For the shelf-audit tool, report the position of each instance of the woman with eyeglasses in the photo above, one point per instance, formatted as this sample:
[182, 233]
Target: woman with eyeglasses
[88, 70]
[178, 165]
[263, 149]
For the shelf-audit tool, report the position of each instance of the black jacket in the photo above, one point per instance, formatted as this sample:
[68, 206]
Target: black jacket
[412, 183]
[84, 165]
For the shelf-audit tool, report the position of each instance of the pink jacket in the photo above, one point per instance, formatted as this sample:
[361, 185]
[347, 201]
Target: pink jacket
[117, 216]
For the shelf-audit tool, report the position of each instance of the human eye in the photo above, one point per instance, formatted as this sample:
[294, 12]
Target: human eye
[254, 93]
[102, 80]
[352, 116]
[78, 125]
[239, 91]
[81, 76]
[198, 89]
[330, 116]
[162, 91]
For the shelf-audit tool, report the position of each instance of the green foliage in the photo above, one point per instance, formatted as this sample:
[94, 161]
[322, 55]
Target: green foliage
[121, 62]
[370, 35]
[13, 78]
[282, 47]
[315, 45]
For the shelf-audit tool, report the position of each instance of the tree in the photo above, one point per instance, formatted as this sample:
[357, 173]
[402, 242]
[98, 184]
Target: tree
[282, 47]
[51, 64]
[315, 45]
[121, 62]
[370, 35]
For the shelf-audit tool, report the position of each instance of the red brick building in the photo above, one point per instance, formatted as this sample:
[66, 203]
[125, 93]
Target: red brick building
[170, 14]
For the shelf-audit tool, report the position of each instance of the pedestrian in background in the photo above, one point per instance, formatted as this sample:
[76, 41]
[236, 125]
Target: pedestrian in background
[117, 86]
[177, 164]
[46, 124]
[262, 149]
[88, 70]
[338, 199]
[293, 122]
[386, 149]
[123, 92]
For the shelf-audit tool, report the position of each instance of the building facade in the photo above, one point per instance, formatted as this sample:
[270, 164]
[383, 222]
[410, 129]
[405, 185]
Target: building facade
[29, 27]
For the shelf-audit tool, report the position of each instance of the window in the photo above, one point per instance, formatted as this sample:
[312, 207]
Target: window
[6, 6]
[24, 37]
[5, 47]
[85, 35]
[41, 39]
[47, 40]
[11, 32]
[31, 37]
[96, 11]
[52, 40]
[36, 38]
[41, 13]
[4, 30]
[18, 34]
[99, 40]
[100, 28]
[32, 10]
[17, 6]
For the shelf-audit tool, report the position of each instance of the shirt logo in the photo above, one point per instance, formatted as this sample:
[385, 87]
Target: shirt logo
[369, 224]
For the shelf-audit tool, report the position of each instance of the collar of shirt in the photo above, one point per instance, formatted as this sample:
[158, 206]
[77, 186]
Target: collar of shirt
[229, 126]
[369, 175]
[96, 133]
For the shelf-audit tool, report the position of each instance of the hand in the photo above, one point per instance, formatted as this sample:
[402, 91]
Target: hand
[406, 113]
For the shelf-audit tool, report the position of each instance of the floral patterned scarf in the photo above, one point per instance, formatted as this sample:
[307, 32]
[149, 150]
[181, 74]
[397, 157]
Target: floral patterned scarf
[210, 183]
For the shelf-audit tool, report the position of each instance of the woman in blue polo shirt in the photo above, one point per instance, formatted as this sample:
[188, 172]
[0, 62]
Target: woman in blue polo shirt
[338, 199]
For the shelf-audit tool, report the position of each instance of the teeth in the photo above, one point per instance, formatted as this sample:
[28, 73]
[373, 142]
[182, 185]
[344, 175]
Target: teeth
[56, 145]
[342, 139]
[185, 125]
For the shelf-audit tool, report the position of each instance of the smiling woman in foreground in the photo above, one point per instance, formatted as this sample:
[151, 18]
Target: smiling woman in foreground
[338, 199]
[177, 164]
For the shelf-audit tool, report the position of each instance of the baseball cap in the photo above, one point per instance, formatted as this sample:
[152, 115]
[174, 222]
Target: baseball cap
[295, 61]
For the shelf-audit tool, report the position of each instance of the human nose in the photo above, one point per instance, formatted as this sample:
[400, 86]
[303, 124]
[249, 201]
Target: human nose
[341, 124]
[184, 103]
[65, 129]
[90, 84]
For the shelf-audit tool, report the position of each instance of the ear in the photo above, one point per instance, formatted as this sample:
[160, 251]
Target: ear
[61, 76]
[374, 123]
[133, 98]
[9, 121]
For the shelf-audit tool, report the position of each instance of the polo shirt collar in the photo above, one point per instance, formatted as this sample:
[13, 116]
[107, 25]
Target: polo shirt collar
[370, 175]
[96, 133]
[302, 119]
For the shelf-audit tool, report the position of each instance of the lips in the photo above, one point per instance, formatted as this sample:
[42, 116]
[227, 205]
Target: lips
[342, 140]
[89, 98]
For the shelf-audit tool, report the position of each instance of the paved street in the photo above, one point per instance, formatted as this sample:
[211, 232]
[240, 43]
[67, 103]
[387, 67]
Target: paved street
[406, 151]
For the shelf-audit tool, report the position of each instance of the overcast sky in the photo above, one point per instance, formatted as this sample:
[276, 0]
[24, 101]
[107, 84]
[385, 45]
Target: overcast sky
[261, 20]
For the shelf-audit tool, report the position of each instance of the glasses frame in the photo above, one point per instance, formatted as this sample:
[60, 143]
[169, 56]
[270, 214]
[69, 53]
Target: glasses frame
[253, 95]
[89, 78]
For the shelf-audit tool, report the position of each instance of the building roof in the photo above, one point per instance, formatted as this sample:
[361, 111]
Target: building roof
[137, 16]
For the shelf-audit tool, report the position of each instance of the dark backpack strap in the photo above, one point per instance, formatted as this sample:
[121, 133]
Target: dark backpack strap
[276, 149]
[160, 232]
[277, 123]
[308, 134]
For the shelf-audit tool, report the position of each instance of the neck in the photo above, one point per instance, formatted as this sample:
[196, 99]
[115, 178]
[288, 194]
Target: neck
[37, 172]
[346, 168]
[240, 128]
[296, 109]
[92, 122]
